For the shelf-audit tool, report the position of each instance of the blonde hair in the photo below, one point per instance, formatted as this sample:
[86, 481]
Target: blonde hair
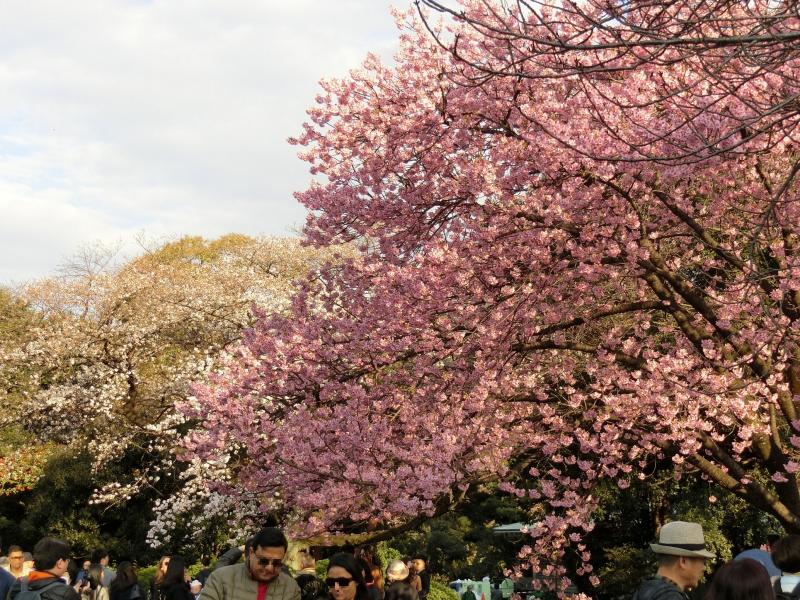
[160, 572]
[377, 578]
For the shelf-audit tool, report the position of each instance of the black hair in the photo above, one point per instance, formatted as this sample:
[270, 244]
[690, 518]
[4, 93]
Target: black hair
[786, 553]
[125, 578]
[366, 569]
[400, 591]
[348, 563]
[269, 537]
[48, 551]
[73, 568]
[743, 579]
[176, 571]
[667, 560]
[95, 576]
[99, 555]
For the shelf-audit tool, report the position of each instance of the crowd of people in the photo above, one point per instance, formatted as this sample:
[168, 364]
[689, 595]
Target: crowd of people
[50, 573]
[759, 574]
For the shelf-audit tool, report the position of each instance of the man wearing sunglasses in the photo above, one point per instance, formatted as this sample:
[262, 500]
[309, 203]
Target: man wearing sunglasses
[260, 577]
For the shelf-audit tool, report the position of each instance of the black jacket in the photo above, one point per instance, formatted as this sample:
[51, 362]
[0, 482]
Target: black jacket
[132, 592]
[659, 588]
[59, 591]
[176, 591]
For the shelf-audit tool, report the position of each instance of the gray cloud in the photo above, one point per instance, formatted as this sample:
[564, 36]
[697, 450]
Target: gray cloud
[168, 117]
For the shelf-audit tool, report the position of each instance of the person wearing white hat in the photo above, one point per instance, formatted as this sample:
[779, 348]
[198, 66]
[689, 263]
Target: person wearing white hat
[397, 587]
[682, 556]
[195, 587]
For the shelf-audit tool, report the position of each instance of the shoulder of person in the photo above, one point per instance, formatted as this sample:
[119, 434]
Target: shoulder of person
[658, 588]
[57, 589]
[287, 580]
[228, 573]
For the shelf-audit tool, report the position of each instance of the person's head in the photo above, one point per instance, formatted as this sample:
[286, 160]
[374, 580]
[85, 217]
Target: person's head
[267, 549]
[401, 591]
[681, 553]
[366, 570]
[744, 579]
[195, 587]
[72, 569]
[686, 571]
[345, 578]
[100, 557]
[95, 576]
[176, 571]
[377, 577]
[306, 560]
[771, 539]
[786, 554]
[469, 587]
[86, 564]
[419, 563]
[396, 571]
[15, 556]
[205, 560]
[51, 554]
[163, 564]
[126, 576]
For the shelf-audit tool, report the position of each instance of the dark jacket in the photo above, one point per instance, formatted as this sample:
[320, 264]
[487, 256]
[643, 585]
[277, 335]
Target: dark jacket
[6, 581]
[659, 588]
[177, 591]
[231, 557]
[132, 592]
[311, 588]
[59, 591]
[155, 590]
[425, 578]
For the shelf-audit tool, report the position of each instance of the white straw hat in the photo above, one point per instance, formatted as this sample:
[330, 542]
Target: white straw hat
[397, 570]
[680, 538]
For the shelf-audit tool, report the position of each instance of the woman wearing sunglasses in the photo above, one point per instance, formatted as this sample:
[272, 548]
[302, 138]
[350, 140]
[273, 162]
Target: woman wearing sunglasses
[344, 580]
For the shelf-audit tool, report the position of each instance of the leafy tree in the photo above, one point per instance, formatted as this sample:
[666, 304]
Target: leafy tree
[96, 360]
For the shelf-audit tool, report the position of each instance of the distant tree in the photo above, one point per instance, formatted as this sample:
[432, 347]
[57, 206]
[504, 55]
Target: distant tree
[105, 352]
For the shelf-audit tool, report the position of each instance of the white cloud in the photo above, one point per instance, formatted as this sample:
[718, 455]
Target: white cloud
[168, 116]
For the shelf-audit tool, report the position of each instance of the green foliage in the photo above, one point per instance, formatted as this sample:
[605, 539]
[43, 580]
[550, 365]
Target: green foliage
[22, 460]
[440, 591]
[58, 504]
[145, 576]
[384, 554]
[462, 544]
[625, 565]
[322, 568]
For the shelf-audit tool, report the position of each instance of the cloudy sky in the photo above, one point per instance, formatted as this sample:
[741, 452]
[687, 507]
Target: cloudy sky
[161, 117]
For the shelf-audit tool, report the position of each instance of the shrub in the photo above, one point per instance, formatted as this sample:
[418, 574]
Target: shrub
[440, 591]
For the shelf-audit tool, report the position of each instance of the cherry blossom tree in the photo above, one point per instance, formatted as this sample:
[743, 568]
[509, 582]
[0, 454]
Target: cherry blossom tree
[579, 258]
[108, 350]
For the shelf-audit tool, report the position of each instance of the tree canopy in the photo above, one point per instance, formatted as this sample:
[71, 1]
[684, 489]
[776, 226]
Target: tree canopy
[93, 361]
